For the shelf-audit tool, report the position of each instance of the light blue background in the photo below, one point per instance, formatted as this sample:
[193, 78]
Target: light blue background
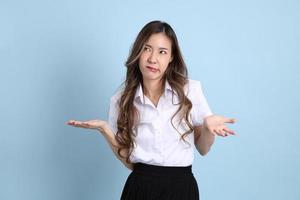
[62, 60]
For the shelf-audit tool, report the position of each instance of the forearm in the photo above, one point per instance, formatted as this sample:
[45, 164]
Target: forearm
[110, 138]
[205, 141]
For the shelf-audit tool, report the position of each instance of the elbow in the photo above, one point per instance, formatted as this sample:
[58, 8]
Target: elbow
[130, 166]
[203, 152]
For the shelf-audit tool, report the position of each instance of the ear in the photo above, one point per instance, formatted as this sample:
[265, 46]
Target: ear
[171, 59]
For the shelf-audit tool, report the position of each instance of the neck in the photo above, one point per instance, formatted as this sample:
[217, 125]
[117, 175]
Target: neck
[153, 88]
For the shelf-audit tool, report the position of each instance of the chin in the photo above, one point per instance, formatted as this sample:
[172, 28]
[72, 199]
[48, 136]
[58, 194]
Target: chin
[151, 78]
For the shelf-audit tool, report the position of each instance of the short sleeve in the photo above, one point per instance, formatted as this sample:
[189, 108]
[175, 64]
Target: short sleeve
[200, 108]
[113, 113]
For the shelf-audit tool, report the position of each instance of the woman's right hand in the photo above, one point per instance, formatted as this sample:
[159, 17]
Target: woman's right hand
[90, 124]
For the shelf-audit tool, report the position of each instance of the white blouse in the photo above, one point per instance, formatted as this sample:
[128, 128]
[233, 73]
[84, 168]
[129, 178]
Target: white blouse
[157, 142]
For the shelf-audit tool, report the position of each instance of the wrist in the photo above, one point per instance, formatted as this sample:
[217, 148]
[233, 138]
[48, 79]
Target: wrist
[107, 130]
[205, 130]
[103, 129]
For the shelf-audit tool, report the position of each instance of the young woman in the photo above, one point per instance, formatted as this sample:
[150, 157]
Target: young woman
[157, 119]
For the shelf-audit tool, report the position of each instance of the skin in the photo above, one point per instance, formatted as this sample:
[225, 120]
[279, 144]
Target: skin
[157, 54]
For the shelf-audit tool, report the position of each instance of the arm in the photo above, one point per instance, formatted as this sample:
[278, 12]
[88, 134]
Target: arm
[110, 129]
[110, 138]
[105, 130]
[203, 139]
[205, 134]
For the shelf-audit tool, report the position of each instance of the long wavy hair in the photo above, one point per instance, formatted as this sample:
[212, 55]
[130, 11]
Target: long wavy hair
[176, 74]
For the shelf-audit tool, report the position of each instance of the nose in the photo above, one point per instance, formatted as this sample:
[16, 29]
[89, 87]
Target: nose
[152, 58]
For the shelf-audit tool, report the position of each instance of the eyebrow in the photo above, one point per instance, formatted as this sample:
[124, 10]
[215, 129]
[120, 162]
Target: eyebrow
[159, 47]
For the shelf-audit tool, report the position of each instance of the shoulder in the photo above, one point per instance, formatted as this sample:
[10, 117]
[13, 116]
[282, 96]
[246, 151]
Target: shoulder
[115, 98]
[193, 85]
[194, 91]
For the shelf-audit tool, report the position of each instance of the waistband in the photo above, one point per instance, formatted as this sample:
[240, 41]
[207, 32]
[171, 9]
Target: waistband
[147, 169]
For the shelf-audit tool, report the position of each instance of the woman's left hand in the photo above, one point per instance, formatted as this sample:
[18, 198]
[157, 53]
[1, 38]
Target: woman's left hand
[216, 125]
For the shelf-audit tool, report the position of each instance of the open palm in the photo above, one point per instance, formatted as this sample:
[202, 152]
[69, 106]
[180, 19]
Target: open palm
[216, 125]
[90, 124]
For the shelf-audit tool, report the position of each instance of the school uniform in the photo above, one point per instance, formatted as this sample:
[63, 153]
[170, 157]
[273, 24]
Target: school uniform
[163, 161]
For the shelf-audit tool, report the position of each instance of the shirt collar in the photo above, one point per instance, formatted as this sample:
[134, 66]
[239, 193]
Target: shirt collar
[140, 95]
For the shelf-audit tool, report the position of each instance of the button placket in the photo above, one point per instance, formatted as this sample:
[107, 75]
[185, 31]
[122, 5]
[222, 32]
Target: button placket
[157, 132]
[155, 122]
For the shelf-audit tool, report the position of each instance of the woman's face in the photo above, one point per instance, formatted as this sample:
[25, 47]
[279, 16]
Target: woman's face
[155, 57]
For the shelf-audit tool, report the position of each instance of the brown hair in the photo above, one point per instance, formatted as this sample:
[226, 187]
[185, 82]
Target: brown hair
[176, 74]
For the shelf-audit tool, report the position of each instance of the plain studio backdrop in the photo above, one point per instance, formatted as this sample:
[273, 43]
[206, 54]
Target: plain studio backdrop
[62, 60]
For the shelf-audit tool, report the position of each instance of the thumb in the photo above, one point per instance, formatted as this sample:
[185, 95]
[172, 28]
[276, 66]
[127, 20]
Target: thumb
[231, 120]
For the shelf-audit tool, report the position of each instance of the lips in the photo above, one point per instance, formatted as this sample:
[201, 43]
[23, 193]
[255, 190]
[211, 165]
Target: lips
[152, 69]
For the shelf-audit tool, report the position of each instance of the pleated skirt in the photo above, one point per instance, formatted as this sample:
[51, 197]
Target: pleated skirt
[151, 182]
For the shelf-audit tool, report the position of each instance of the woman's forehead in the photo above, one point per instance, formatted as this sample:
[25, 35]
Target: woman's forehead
[159, 40]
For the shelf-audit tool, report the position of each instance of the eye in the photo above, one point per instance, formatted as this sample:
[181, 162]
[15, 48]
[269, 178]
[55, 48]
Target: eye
[163, 52]
[147, 49]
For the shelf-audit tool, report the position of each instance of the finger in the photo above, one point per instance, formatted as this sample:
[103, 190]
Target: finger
[89, 124]
[86, 125]
[217, 131]
[76, 123]
[212, 132]
[223, 132]
[80, 124]
[229, 131]
[231, 120]
[73, 122]
[220, 131]
[70, 122]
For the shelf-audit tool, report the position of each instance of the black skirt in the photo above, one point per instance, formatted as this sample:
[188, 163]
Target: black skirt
[150, 182]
